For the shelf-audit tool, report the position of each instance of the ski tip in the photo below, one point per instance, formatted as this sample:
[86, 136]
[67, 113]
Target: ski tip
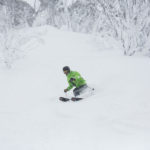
[64, 99]
[76, 99]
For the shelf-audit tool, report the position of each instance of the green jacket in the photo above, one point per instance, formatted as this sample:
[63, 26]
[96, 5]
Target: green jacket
[79, 81]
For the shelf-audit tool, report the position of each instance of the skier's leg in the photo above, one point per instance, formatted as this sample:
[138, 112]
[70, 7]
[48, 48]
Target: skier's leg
[76, 92]
[82, 88]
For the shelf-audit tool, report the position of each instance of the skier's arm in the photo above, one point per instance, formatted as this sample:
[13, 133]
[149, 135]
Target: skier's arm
[76, 76]
[69, 87]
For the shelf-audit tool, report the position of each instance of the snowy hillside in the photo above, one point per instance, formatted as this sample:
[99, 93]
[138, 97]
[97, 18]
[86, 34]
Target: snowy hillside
[116, 117]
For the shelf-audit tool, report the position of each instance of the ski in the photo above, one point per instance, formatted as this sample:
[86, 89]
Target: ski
[76, 98]
[64, 99]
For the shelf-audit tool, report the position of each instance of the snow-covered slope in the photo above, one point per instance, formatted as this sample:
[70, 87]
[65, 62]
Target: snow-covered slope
[117, 117]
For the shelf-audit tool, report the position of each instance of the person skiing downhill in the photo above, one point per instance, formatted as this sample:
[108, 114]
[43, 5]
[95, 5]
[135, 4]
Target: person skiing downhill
[74, 80]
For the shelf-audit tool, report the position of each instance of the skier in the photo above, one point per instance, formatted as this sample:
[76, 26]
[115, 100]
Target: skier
[75, 80]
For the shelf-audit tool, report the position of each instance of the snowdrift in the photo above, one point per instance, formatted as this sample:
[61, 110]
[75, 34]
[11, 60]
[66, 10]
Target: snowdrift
[116, 117]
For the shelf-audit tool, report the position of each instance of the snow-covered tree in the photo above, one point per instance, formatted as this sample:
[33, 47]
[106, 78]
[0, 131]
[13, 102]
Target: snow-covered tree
[45, 13]
[83, 16]
[128, 21]
[6, 37]
[21, 12]
[9, 38]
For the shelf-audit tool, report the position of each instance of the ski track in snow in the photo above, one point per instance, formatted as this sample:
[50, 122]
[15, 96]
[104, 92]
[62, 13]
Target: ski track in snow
[116, 117]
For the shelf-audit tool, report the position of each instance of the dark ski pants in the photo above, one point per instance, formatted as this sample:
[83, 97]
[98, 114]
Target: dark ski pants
[79, 90]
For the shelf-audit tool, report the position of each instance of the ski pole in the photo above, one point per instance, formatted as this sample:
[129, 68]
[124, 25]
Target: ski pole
[66, 94]
[91, 88]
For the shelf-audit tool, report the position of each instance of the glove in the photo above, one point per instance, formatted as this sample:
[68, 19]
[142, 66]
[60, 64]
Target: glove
[72, 79]
[65, 90]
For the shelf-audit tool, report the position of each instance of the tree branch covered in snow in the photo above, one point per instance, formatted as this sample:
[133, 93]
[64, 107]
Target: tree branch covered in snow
[11, 41]
[128, 21]
[125, 20]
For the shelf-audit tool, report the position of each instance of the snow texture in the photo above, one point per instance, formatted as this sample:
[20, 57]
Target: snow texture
[116, 117]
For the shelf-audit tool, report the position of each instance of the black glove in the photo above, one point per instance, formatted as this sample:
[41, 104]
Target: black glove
[72, 79]
[65, 90]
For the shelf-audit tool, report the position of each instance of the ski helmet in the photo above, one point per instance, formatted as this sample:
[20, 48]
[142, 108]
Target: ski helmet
[66, 68]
